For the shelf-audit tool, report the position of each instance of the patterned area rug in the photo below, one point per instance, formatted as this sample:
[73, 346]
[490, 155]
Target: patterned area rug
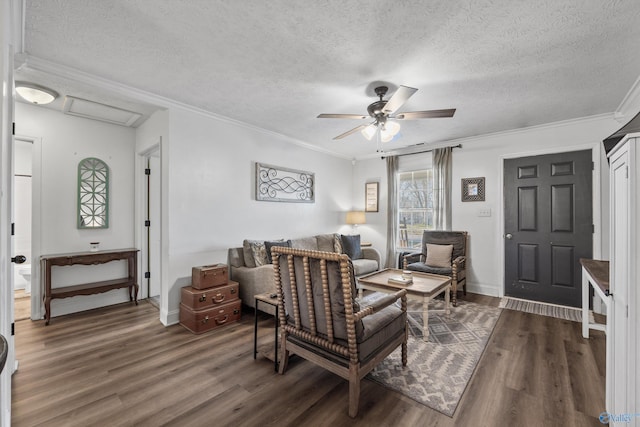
[534, 307]
[438, 371]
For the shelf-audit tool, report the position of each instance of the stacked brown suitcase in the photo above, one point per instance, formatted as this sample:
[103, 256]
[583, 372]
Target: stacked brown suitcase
[211, 301]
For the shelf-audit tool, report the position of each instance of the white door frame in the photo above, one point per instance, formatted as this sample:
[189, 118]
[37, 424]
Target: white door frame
[8, 12]
[140, 215]
[37, 309]
[596, 196]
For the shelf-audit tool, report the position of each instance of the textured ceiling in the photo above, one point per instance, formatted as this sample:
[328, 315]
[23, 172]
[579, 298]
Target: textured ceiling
[504, 64]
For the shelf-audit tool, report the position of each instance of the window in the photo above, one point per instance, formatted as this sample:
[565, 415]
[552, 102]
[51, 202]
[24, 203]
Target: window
[415, 207]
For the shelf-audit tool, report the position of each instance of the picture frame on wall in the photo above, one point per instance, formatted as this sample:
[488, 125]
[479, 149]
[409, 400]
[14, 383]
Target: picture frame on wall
[371, 192]
[473, 189]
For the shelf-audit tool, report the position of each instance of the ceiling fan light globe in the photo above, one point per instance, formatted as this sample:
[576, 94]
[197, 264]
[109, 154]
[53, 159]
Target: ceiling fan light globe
[392, 127]
[386, 136]
[369, 132]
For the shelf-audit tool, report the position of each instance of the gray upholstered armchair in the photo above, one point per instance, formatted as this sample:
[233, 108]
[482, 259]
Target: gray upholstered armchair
[448, 258]
[322, 322]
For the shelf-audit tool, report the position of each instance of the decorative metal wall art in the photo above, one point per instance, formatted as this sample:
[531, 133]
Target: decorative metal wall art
[277, 184]
[473, 189]
[93, 193]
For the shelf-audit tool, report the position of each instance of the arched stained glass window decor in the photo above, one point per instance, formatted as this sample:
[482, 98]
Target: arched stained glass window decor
[93, 193]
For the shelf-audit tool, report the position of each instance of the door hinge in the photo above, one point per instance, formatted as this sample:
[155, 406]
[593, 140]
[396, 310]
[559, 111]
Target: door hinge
[147, 171]
[593, 228]
[593, 166]
[13, 129]
[147, 274]
[626, 171]
[147, 223]
[13, 228]
[13, 329]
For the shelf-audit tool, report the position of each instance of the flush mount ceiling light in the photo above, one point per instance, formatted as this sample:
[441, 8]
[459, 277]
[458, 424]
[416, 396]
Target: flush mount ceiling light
[35, 94]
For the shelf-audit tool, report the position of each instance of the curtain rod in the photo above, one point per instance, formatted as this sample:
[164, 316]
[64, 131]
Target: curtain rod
[424, 151]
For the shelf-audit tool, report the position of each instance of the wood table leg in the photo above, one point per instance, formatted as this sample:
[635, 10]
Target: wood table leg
[47, 310]
[425, 319]
[447, 294]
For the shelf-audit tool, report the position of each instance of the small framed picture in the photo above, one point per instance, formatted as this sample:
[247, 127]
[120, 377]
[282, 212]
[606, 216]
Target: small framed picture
[473, 189]
[371, 197]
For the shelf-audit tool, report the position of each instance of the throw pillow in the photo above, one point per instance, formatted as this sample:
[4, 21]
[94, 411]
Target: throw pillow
[268, 245]
[351, 246]
[439, 255]
[254, 252]
[337, 243]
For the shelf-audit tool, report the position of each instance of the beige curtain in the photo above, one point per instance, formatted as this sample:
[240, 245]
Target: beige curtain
[392, 213]
[442, 188]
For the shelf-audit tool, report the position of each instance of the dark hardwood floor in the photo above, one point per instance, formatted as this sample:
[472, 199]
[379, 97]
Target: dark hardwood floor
[119, 366]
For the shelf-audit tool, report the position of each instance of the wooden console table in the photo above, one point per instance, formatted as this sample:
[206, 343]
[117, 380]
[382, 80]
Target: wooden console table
[596, 274]
[89, 258]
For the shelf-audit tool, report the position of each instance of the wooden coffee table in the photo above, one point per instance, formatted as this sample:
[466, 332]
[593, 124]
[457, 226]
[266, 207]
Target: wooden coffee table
[424, 288]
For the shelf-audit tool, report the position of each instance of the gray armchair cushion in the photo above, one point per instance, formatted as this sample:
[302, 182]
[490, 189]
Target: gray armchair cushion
[421, 266]
[455, 238]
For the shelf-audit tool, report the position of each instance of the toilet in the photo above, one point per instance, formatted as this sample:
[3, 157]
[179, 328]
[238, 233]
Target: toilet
[24, 270]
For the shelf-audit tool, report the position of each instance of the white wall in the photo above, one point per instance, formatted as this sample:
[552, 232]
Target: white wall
[483, 156]
[210, 195]
[66, 140]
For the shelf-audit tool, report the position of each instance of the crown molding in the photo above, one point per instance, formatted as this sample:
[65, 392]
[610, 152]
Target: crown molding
[487, 136]
[25, 61]
[630, 104]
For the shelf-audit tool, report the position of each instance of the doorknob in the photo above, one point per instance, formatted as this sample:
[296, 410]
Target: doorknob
[19, 259]
[509, 236]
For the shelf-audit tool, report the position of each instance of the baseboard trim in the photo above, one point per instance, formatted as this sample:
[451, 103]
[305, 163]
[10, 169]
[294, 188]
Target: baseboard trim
[479, 288]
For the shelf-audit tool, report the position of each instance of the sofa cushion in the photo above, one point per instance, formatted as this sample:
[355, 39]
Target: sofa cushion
[364, 266]
[439, 255]
[309, 243]
[248, 253]
[351, 246]
[325, 242]
[269, 244]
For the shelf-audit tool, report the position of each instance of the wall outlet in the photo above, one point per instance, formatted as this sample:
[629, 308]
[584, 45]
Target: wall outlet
[484, 212]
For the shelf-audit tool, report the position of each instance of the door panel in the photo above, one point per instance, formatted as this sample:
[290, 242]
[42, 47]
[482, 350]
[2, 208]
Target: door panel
[548, 224]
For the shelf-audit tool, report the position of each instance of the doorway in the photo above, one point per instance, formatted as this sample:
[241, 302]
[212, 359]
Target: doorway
[22, 214]
[548, 213]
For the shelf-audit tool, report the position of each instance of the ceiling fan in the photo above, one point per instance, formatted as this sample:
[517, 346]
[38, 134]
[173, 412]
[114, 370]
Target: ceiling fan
[385, 116]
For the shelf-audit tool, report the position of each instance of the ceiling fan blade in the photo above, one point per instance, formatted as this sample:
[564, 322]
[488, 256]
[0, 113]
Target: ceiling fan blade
[341, 116]
[349, 132]
[399, 97]
[429, 114]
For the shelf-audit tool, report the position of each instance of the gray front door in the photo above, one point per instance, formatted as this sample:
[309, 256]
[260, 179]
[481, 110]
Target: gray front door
[548, 226]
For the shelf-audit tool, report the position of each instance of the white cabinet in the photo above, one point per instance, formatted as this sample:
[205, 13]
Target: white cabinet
[623, 369]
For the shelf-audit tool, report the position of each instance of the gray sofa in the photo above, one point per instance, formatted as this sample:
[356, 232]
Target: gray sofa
[256, 279]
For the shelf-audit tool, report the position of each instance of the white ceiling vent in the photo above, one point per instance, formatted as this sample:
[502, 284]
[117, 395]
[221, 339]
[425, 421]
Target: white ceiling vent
[96, 111]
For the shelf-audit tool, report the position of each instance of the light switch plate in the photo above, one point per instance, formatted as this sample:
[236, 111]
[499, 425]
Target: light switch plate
[484, 212]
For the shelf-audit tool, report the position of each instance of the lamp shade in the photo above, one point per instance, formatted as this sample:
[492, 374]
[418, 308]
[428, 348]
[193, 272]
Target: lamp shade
[356, 217]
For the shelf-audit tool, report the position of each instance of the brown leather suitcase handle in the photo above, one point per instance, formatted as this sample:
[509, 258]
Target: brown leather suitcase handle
[220, 322]
[218, 297]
